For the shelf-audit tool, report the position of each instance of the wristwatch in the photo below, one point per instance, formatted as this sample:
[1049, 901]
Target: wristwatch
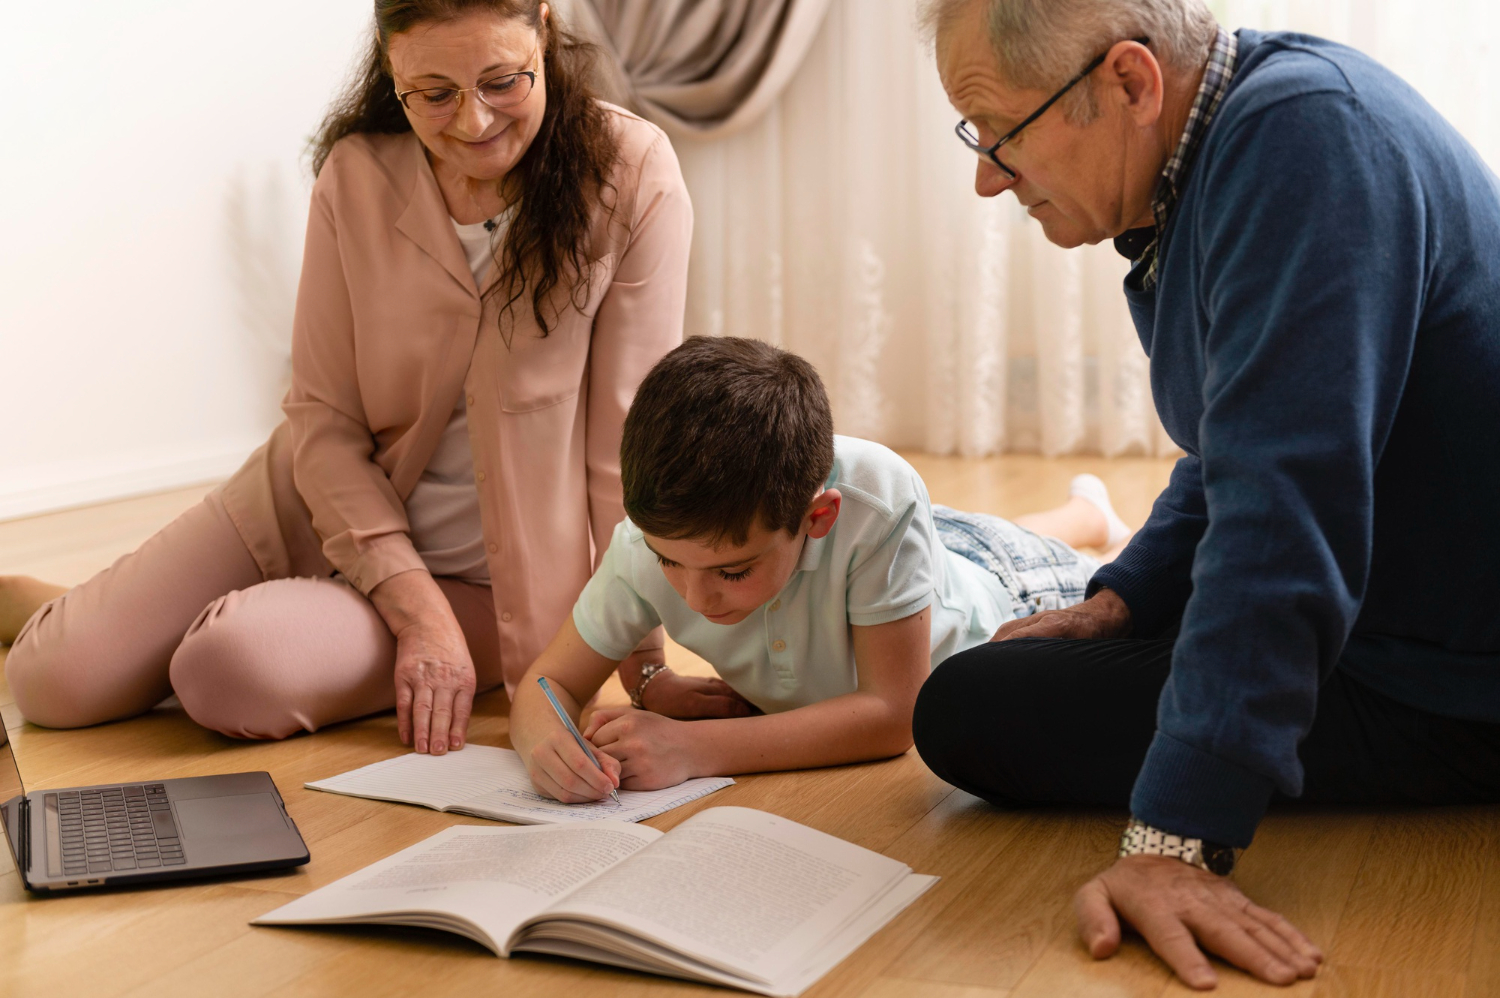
[1140, 839]
[649, 671]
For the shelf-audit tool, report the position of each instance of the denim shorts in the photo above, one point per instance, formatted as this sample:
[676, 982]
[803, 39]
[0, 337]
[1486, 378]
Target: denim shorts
[1040, 573]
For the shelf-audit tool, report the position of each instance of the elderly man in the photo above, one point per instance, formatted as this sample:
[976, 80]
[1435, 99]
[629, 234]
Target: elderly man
[1310, 609]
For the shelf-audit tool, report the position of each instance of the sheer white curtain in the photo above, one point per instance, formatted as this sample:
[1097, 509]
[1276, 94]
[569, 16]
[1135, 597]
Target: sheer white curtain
[843, 225]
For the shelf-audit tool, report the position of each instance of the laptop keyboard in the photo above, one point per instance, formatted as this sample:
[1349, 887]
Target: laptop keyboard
[117, 829]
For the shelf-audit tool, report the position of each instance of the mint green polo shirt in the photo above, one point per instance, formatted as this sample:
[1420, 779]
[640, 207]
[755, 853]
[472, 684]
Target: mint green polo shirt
[882, 561]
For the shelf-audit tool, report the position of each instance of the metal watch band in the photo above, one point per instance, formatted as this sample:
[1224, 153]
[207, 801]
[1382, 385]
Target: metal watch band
[1140, 839]
[649, 671]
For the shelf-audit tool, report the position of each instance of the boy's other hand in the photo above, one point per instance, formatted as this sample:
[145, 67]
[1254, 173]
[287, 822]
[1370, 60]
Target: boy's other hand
[561, 770]
[1104, 615]
[652, 751]
[693, 698]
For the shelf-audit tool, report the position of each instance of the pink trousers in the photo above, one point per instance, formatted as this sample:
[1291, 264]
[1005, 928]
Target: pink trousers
[189, 613]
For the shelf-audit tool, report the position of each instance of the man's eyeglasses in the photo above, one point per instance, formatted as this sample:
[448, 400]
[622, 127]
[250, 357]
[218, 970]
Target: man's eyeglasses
[970, 138]
[498, 92]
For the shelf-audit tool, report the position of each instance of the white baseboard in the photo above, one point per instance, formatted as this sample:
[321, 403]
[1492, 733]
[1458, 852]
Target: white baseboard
[65, 486]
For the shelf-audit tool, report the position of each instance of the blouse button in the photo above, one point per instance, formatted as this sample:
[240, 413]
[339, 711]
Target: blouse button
[479, 476]
[470, 400]
[779, 645]
[505, 616]
[494, 547]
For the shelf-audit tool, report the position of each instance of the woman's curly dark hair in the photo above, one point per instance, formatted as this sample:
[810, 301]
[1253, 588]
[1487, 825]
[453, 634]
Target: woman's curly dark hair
[558, 181]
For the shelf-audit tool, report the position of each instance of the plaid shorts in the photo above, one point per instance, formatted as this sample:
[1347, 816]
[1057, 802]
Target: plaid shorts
[1040, 573]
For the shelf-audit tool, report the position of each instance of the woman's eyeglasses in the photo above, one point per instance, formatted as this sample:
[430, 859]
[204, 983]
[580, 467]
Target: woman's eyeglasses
[498, 92]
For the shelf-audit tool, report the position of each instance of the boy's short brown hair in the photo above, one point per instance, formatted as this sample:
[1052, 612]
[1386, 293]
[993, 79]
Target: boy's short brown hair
[721, 431]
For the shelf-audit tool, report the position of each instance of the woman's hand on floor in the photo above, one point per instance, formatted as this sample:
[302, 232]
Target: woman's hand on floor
[1105, 615]
[435, 677]
[653, 751]
[434, 688]
[693, 698]
[1179, 908]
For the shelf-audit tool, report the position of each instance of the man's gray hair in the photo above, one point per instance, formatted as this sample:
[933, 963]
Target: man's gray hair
[1042, 44]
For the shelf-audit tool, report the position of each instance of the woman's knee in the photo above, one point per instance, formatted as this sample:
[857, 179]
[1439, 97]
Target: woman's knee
[225, 674]
[280, 658]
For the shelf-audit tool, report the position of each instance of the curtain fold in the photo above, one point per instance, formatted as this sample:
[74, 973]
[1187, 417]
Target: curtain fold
[699, 68]
[843, 225]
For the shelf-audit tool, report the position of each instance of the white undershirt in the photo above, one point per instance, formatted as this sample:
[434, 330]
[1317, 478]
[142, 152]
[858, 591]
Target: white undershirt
[443, 508]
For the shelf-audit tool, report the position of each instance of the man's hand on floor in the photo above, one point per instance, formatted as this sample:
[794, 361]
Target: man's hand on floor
[1179, 908]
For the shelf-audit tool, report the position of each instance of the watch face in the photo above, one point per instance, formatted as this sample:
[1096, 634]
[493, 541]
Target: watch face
[1219, 859]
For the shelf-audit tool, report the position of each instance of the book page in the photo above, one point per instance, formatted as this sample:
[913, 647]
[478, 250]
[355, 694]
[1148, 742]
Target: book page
[490, 782]
[492, 878]
[743, 890]
[435, 781]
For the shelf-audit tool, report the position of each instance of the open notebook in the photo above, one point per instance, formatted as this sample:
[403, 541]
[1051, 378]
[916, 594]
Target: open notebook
[731, 896]
[489, 782]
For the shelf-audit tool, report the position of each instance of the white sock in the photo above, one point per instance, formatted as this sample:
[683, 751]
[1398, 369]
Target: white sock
[1092, 489]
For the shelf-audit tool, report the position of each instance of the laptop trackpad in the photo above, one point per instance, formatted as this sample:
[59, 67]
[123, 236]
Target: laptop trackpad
[240, 816]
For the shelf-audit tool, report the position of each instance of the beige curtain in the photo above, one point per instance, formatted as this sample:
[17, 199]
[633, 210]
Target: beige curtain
[698, 68]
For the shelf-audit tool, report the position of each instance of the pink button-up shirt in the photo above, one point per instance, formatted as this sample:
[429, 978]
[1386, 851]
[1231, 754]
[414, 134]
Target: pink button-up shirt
[390, 334]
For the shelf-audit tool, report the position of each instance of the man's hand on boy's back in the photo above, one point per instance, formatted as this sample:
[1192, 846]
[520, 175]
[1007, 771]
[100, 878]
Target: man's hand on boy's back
[652, 751]
[694, 698]
[1104, 615]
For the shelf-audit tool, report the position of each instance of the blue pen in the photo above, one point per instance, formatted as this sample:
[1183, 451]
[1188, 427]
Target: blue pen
[572, 728]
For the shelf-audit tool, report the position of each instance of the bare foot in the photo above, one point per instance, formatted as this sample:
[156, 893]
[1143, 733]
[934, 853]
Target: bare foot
[20, 597]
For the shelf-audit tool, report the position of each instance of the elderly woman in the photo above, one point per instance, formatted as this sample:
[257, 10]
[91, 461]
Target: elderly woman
[494, 260]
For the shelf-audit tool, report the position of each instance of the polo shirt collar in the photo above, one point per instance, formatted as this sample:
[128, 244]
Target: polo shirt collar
[812, 553]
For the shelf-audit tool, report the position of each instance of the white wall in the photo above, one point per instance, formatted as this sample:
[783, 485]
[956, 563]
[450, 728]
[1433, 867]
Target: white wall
[155, 192]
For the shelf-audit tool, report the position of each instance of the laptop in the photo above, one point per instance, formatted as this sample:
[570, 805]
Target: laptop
[142, 833]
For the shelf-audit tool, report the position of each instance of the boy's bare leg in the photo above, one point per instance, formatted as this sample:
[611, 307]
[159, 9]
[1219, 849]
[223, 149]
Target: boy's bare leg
[20, 597]
[1087, 519]
[1078, 523]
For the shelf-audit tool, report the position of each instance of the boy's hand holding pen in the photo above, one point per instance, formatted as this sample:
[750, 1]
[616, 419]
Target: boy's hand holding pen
[575, 772]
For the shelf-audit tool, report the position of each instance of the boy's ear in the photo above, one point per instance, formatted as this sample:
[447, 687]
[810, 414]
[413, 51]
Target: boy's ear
[823, 513]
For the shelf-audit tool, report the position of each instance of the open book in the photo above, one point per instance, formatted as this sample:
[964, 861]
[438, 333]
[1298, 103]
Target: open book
[731, 896]
[489, 782]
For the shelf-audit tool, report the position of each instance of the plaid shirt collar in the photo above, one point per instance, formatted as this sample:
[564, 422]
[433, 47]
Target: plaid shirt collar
[1216, 77]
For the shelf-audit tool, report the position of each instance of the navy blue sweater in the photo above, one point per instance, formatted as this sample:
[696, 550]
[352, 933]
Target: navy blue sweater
[1325, 346]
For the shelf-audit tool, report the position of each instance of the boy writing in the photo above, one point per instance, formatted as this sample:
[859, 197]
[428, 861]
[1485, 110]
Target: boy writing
[811, 571]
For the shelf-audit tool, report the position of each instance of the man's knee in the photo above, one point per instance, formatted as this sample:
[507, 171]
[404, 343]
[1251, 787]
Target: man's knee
[966, 720]
[1043, 720]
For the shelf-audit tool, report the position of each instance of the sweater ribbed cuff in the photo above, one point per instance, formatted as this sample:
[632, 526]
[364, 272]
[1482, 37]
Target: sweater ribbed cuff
[1196, 795]
[1155, 593]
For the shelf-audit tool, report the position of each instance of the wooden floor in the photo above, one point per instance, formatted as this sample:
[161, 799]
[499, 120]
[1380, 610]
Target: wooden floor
[1406, 904]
